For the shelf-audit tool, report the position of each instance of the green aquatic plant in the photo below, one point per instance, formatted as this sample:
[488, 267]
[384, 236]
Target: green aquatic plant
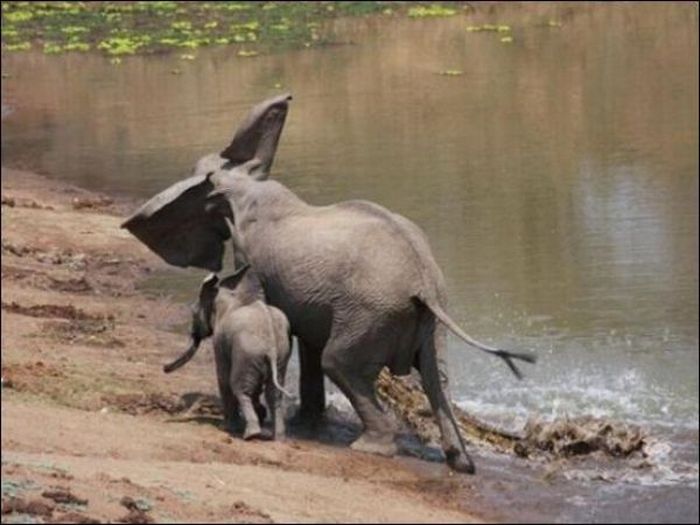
[9, 32]
[252, 25]
[168, 41]
[77, 46]
[500, 28]
[20, 46]
[18, 16]
[225, 6]
[51, 48]
[117, 28]
[245, 53]
[507, 39]
[123, 45]
[451, 72]
[72, 30]
[422, 11]
[181, 25]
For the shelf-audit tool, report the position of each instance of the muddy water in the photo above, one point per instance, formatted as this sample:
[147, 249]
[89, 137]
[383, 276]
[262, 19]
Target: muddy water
[556, 177]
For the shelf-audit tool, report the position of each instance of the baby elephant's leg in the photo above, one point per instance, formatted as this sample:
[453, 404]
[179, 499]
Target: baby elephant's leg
[260, 409]
[228, 401]
[274, 400]
[252, 423]
[273, 397]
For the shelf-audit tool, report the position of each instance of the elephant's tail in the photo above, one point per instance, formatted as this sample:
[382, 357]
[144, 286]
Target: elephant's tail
[507, 356]
[273, 370]
[184, 358]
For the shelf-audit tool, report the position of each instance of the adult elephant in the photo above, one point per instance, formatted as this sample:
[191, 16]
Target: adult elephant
[358, 283]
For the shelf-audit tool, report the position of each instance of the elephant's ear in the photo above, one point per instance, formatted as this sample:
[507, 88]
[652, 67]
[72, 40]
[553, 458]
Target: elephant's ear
[175, 225]
[258, 135]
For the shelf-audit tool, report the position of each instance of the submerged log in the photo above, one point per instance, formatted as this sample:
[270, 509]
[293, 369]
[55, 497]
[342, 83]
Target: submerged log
[561, 438]
[405, 397]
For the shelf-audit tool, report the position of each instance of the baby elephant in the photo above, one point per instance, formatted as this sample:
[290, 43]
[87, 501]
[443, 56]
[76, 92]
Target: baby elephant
[252, 346]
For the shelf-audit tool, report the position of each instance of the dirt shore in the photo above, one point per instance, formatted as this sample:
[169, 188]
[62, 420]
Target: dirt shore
[92, 430]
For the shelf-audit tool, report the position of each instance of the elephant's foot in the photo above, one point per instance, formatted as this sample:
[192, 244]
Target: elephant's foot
[376, 443]
[460, 461]
[255, 432]
[261, 434]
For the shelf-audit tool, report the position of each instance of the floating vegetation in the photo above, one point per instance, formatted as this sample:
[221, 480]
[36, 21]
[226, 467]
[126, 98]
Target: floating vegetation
[245, 53]
[187, 57]
[422, 11]
[503, 29]
[451, 73]
[18, 16]
[123, 45]
[500, 28]
[20, 46]
[51, 48]
[121, 29]
[77, 46]
[554, 23]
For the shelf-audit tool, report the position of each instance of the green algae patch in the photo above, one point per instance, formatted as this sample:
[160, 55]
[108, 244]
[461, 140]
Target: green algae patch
[121, 29]
[433, 10]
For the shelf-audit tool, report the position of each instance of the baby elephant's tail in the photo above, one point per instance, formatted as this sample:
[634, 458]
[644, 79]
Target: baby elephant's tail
[507, 356]
[273, 369]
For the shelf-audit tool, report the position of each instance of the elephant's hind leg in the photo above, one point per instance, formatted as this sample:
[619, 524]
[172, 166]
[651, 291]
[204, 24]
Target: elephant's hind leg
[435, 384]
[313, 395]
[252, 423]
[357, 381]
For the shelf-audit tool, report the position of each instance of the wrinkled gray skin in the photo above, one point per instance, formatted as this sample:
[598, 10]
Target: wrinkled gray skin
[252, 348]
[361, 291]
[358, 283]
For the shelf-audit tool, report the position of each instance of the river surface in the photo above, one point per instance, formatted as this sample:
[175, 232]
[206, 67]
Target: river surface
[556, 178]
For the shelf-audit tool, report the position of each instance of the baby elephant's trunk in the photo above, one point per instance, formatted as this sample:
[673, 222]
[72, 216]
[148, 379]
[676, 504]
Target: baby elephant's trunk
[184, 358]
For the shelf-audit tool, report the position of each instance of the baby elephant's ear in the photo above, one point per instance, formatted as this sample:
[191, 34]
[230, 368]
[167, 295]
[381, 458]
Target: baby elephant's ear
[258, 135]
[208, 289]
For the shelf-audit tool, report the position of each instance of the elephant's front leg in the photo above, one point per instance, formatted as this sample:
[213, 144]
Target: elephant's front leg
[311, 388]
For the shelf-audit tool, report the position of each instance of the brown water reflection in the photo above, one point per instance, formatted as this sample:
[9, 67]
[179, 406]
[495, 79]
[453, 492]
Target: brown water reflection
[557, 177]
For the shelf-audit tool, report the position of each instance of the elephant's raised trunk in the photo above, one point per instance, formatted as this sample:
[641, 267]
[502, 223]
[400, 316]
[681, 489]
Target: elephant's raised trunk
[184, 358]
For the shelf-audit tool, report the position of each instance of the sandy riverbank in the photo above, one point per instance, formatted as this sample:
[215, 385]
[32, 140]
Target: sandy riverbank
[86, 409]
